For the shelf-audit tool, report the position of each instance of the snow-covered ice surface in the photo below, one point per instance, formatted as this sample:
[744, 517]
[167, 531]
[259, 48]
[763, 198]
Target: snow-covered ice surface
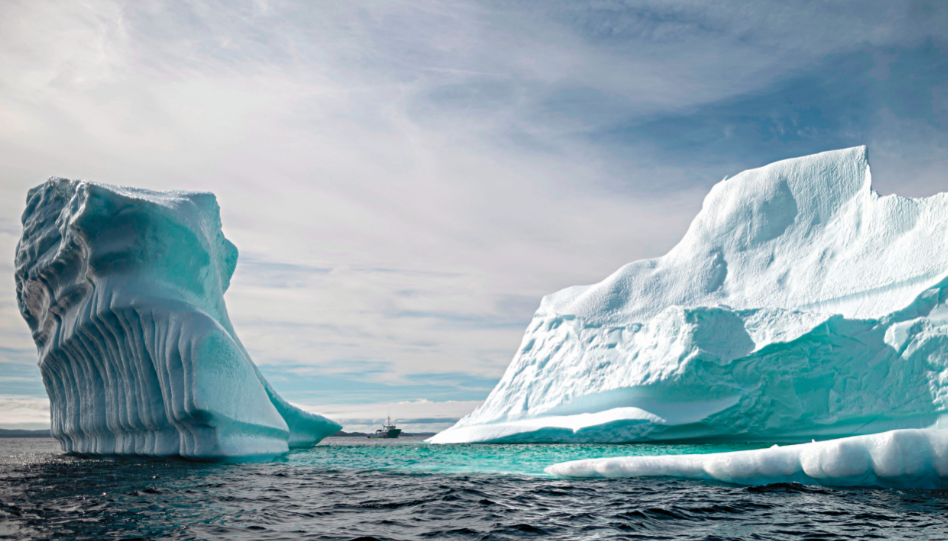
[123, 290]
[898, 458]
[800, 304]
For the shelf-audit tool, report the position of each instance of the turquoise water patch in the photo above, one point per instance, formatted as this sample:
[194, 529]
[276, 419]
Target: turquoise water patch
[414, 455]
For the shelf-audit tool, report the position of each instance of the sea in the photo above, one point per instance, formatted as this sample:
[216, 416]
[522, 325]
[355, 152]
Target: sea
[406, 489]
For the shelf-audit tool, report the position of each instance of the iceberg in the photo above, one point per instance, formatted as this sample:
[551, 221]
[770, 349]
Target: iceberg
[894, 459]
[123, 290]
[800, 304]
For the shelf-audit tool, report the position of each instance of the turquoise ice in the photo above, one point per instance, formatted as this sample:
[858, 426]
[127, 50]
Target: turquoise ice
[123, 290]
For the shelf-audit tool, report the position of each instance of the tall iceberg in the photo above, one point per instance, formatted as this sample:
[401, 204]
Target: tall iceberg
[123, 289]
[799, 304]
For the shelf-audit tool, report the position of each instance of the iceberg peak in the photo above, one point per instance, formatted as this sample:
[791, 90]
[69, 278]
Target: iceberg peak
[744, 248]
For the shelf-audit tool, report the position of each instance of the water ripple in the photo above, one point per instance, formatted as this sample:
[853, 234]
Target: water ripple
[412, 491]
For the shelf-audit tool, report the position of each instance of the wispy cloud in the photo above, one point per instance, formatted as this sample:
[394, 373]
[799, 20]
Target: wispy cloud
[467, 321]
[362, 381]
[24, 412]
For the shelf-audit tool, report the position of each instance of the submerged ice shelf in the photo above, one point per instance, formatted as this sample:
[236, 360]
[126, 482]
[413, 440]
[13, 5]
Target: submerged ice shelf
[123, 291]
[799, 304]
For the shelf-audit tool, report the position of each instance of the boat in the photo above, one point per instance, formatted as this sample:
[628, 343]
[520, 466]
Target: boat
[388, 430]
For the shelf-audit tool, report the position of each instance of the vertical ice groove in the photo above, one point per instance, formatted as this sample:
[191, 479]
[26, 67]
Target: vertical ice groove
[139, 380]
[135, 348]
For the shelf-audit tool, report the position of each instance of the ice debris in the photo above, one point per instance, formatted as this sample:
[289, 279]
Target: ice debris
[800, 304]
[897, 459]
[123, 291]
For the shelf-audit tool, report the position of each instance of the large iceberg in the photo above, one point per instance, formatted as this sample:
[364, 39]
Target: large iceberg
[123, 291]
[898, 459]
[800, 304]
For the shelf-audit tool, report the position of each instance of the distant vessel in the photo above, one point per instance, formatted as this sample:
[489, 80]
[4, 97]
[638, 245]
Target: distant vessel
[388, 430]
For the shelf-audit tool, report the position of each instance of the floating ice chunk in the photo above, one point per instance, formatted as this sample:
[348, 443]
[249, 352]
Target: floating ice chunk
[123, 291]
[899, 458]
[799, 304]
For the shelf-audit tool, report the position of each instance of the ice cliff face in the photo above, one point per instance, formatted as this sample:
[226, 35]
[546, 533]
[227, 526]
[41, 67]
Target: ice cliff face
[799, 304]
[123, 291]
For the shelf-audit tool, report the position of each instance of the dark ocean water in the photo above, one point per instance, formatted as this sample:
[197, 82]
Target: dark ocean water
[404, 489]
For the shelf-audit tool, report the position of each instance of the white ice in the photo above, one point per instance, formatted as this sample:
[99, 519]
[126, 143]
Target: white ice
[799, 304]
[899, 458]
[123, 291]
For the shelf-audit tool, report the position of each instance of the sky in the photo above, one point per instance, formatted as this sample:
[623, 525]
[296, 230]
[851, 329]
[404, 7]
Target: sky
[406, 180]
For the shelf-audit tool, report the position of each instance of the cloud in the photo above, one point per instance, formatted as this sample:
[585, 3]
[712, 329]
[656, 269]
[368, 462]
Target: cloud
[24, 413]
[839, 102]
[467, 321]
[21, 379]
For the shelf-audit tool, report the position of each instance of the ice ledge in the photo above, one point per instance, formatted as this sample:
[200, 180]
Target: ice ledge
[898, 459]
